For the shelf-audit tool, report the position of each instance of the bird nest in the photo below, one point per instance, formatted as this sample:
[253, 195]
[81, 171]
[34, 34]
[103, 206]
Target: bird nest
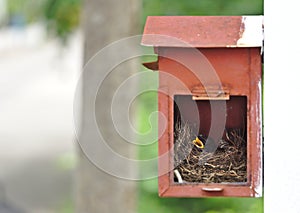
[227, 164]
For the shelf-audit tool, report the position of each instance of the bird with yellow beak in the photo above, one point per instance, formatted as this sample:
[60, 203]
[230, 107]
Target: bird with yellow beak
[198, 143]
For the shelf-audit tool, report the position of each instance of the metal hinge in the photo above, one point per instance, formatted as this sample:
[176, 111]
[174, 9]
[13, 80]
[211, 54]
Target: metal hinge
[210, 93]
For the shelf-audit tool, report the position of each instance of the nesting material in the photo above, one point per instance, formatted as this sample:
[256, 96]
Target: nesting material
[228, 164]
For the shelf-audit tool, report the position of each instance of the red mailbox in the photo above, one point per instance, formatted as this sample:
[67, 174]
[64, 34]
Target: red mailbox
[209, 94]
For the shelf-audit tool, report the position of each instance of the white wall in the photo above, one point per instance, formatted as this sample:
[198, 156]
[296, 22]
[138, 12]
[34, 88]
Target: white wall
[282, 107]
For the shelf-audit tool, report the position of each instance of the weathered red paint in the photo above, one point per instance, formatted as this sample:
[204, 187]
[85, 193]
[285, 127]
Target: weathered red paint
[198, 31]
[239, 71]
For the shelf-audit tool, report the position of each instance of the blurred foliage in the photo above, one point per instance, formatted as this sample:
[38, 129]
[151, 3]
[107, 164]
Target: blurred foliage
[202, 7]
[67, 207]
[66, 161]
[27, 10]
[148, 189]
[61, 17]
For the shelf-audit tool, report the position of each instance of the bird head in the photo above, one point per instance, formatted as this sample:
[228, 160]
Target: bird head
[199, 142]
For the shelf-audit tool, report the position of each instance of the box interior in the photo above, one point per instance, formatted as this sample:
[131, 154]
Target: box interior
[193, 134]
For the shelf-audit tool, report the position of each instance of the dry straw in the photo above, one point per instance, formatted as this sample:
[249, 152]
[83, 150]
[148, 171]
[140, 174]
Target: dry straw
[228, 164]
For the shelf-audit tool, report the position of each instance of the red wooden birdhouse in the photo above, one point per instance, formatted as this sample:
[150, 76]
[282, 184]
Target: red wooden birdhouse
[209, 94]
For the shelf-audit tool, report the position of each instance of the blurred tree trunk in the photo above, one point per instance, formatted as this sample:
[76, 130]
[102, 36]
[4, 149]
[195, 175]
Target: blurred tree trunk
[96, 191]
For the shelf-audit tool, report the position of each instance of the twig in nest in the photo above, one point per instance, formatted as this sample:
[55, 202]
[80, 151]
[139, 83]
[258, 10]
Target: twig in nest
[183, 145]
[208, 164]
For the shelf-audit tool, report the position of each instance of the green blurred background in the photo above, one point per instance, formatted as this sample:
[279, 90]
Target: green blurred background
[62, 18]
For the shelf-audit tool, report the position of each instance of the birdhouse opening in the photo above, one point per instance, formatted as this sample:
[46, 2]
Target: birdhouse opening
[193, 161]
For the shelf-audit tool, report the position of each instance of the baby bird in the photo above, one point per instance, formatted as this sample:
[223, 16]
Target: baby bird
[199, 142]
